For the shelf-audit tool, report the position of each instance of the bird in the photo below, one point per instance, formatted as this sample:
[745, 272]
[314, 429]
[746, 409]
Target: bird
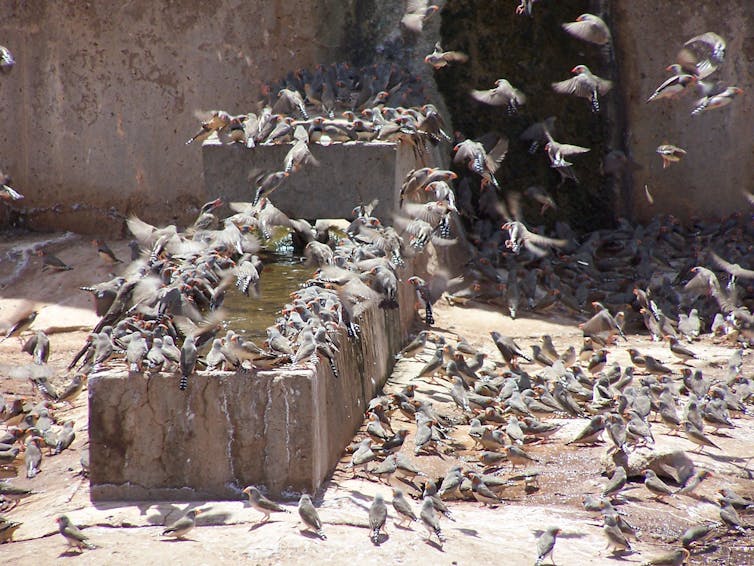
[105, 253]
[402, 507]
[674, 86]
[180, 528]
[7, 528]
[429, 519]
[188, 359]
[695, 533]
[20, 325]
[680, 351]
[718, 100]
[377, 518]
[416, 13]
[590, 28]
[6, 59]
[262, 504]
[698, 437]
[615, 537]
[503, 94]
[584, 85]
[32, 456]
[51, 262]
[655, 485]
[617, 482]
[730, 516]
[439, 58]
[38, 346]
[546, 545]
[73, 534]
[309, 515]
[670, 154]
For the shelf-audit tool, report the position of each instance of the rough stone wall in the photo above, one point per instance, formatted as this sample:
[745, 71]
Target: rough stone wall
[284, 429]
[720, 143]
[103, 95]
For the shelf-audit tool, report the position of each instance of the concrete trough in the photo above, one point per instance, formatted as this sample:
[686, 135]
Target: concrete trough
[328, 191]
[284, 429]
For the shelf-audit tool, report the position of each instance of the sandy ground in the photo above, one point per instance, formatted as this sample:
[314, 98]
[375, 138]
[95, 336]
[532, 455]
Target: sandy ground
[229, 531]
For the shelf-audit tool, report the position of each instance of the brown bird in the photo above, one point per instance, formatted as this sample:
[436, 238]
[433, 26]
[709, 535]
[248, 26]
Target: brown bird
[52, 262]
[21, 324]
[585, 85]
[105, 253]
[217, 122]
[262, 504]
[656, 486]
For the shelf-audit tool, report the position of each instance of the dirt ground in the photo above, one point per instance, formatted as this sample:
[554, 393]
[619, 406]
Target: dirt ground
[228, 532]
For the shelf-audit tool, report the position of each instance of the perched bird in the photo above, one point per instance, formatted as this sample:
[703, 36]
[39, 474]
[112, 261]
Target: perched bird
[73, 534]
[377, 518]
[32, 456]
[590, 28]
[503, 94]
[670, 154]
[262, 504]
[402, 507]
[429, 519]
[695, 533]
[615, 537]
[309, 515]
[585, 85]
[698, 437]
[546, 545]
[439, 58]
[38, 346]
[188, 359]
[180, 528]
[730, 516]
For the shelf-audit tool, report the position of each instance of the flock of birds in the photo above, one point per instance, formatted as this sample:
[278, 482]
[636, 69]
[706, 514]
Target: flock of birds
[163, 312]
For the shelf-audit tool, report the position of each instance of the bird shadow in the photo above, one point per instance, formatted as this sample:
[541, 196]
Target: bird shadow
[468, 532]
[434, 544]
[260, 524]
[70, 553]
[213, 518]
[309, 534]
[404, 528]
[178, 539]
[621, 556]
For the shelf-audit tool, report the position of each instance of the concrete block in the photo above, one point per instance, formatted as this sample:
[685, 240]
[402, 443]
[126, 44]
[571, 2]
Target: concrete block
[285, 429]
[328, 191]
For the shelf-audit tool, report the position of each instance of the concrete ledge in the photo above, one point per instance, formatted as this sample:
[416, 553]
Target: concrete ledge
[285, 429]
[328, 191]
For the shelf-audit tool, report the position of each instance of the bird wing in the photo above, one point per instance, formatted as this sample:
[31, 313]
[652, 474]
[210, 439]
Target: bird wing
[732, 268]
[492, 96]
[568, 149]
[575, 85]
[497, 154]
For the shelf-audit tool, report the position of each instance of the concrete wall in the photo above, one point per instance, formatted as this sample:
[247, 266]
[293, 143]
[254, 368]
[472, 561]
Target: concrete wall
[720, 143]
[103, 94]
[348, 174]
[284, 429]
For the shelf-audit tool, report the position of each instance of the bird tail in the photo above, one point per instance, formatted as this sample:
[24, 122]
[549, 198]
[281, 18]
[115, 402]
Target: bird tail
[321, 534]
[438, 532]
[333, 367]
[428, 316]
[183, 383]
[375, 537]
[595, 102]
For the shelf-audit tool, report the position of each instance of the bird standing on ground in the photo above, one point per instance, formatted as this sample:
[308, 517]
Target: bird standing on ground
[309, 515]
[180, 528]
[546, 545]
[377, 518]
[262, 504]
[73, 534]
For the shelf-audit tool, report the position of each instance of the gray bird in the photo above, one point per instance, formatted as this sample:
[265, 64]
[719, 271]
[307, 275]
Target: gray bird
[656, 486]
[585, 85]
[402, 507]
[615, 537]
[430, 521]
[32, 456]
[188, 358]
[591, 432]
[696, 533]
[72, 534]
[262, 504]
[729, 516]
[546, 545]
[676, 557]
[698, 437]
[180, 528]
[309, 515]
[362, 456]
[377, 518]
[65, 437]
[617, 482]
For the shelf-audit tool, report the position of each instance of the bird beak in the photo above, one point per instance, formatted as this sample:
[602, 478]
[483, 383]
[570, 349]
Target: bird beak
[575, 70]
